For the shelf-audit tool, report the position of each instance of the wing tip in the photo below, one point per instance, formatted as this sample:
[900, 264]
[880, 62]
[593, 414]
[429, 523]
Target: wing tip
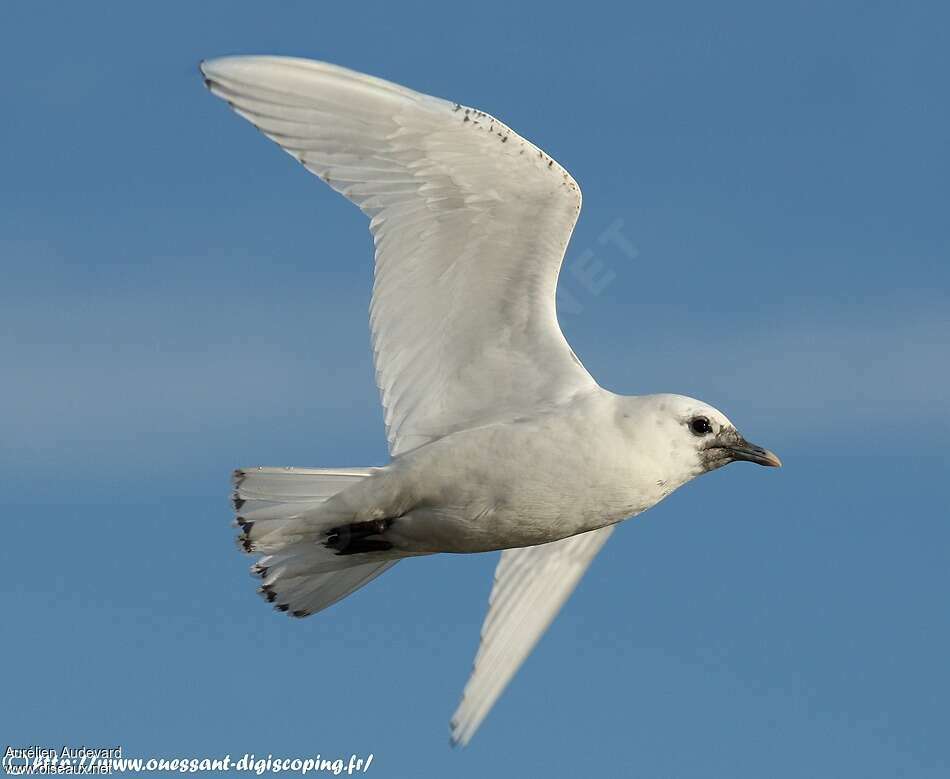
[457, 739]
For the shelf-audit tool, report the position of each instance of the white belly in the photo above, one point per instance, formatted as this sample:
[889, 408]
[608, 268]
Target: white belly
[519, 484]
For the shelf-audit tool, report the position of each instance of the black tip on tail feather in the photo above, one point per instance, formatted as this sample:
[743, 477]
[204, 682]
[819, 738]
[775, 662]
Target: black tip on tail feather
[244, 537]
[267, 592]
[237, 478]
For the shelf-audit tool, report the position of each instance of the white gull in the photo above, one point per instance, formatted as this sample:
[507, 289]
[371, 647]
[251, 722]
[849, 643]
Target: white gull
[500, 439]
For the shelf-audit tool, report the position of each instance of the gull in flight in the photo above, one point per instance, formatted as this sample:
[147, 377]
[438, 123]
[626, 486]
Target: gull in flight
[499, 437]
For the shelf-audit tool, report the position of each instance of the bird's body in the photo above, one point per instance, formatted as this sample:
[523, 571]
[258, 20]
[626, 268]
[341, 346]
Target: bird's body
[500, 439]
[570, 469]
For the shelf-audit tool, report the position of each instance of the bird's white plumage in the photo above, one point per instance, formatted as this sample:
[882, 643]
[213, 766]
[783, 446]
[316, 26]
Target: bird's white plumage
[470, 223]
[531, 585]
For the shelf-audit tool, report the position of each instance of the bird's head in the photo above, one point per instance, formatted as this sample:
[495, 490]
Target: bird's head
[696, 438]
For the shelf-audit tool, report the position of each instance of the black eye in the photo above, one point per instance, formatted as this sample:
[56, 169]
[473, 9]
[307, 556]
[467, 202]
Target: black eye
[700, 426]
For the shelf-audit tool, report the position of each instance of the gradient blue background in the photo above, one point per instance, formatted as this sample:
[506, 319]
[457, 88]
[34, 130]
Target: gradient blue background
[178, 298]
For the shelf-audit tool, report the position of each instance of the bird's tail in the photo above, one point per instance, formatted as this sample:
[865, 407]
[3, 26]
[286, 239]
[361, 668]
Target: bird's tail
[278, 513]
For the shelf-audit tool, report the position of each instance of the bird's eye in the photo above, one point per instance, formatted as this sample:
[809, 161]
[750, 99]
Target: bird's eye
[700, 426]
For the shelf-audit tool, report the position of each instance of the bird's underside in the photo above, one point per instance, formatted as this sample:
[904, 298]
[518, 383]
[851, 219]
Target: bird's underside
[470, 223]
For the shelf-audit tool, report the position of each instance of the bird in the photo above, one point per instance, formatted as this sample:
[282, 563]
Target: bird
[499, 438]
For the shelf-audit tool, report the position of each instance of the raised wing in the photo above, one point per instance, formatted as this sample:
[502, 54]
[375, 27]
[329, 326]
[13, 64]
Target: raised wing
[470, 223]
[531, 585]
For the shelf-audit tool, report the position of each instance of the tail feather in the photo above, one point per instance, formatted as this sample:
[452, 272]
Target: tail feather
[278, 513]
[306, 596]
[286, 485]
[275, 505]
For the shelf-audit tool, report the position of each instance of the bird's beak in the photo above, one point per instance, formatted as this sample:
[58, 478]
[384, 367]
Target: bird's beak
[740, 449]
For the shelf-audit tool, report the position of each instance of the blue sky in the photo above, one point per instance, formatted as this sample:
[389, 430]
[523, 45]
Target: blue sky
[179, 298]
